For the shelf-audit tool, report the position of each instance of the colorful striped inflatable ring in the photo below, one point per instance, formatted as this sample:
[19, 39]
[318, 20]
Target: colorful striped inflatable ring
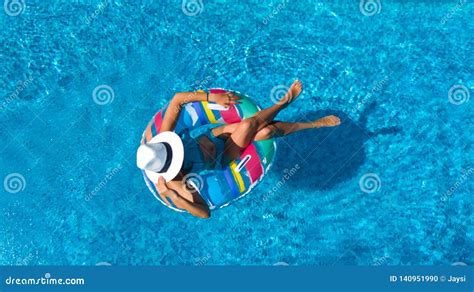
[227, 184]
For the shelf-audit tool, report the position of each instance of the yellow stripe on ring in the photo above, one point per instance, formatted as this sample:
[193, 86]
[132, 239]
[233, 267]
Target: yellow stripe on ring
[237, 176]
[209, 113]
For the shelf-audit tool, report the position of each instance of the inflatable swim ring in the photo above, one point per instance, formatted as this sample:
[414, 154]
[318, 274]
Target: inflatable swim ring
[229, 183]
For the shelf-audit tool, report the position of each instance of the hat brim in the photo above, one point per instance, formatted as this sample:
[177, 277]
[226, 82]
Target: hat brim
[177, 149]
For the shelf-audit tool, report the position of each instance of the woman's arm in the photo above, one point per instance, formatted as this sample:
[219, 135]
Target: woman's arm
[197, 210]
[179, 99]
[193, 208]
[174, 109]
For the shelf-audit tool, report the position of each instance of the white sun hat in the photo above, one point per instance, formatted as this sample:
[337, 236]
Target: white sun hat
[162, 156]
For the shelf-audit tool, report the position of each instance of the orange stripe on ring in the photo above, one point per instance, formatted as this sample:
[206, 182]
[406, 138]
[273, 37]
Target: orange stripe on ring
[148, 133]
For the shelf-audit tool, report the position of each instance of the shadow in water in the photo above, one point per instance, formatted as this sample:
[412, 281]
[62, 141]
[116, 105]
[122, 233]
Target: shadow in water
[326, 156]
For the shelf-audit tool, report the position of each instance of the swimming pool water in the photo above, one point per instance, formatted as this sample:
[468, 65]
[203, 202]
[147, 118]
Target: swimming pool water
[391, 186]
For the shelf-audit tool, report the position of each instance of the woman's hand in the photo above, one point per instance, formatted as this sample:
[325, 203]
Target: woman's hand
[225, 99]
[198, 210]
[166, 192]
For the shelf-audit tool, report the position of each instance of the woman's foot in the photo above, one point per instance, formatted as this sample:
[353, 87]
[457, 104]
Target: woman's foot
[327, 121]
[292, 94]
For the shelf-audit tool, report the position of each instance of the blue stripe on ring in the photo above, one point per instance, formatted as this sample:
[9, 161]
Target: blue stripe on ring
[200, 112]
[231, 182]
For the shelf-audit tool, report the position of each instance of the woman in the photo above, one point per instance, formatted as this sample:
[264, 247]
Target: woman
[174, 157]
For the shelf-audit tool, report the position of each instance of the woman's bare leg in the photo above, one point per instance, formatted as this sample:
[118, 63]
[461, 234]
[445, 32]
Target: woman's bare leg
[245, 131]
[280, 129]
[265, 116]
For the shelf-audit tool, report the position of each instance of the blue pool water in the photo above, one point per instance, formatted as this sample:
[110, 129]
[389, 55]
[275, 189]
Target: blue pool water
[391, 186]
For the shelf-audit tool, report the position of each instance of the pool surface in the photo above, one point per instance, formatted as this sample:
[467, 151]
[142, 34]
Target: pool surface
[393, 185]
